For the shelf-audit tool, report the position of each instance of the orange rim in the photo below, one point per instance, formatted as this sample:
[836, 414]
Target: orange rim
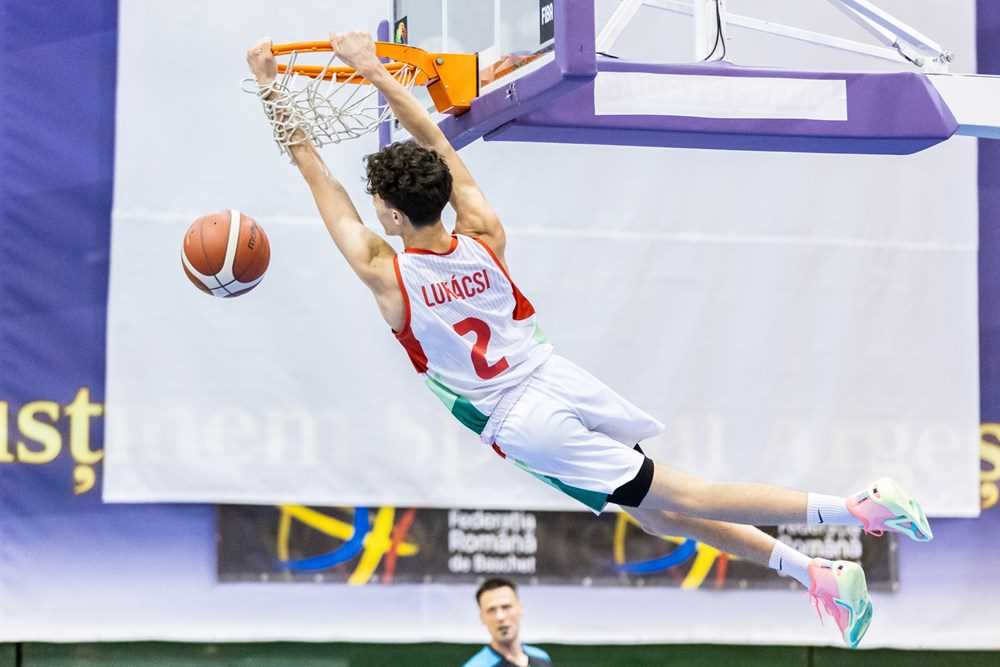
[401, 53]
[452, 79]
[347, 74]
[311, 47]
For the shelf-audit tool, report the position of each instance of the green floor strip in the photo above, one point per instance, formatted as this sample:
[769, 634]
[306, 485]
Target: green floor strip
[831, 657]
[297, 654]
[157, 654]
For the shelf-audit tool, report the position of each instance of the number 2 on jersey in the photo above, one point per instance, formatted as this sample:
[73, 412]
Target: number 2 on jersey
[483, 334]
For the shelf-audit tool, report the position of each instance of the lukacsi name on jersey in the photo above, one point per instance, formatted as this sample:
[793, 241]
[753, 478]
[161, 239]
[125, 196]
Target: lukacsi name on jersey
[459, 287]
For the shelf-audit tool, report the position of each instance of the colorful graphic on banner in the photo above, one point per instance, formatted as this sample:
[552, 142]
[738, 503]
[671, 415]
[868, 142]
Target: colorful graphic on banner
[360, 546]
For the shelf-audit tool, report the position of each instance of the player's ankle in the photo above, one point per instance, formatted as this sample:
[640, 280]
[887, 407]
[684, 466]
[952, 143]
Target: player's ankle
[788, 562]
[832, 510]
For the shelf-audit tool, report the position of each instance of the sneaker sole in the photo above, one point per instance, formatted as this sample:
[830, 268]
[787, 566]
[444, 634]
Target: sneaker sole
[861, 609]
[910, 518]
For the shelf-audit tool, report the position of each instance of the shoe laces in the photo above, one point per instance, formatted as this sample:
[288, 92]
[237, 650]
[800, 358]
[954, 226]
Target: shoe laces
[815, 603]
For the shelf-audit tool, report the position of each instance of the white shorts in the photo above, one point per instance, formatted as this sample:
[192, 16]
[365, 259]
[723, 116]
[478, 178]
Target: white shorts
[570, 430]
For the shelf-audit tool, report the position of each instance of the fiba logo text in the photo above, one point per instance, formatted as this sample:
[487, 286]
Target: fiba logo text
[36, 433]
[548, 13]
[546, 21]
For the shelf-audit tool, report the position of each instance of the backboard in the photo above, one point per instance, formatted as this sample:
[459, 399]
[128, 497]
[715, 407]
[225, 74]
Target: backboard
[560, 71]
[507, 34]
[550, 42]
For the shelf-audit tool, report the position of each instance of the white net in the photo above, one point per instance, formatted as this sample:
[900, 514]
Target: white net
[325, 108]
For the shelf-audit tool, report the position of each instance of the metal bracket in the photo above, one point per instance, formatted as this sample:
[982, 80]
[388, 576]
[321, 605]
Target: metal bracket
[913, 45]
[903, 44]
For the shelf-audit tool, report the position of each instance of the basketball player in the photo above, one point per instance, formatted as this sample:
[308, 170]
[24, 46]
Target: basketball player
[469, 331]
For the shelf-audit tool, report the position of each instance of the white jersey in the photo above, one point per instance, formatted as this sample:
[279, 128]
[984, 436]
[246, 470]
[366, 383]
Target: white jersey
[468, 328]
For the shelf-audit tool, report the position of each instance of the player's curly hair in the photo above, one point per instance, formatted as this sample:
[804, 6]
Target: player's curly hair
[413, 179]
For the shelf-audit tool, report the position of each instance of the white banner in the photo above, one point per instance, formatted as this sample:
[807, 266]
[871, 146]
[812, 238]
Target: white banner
[804, 320]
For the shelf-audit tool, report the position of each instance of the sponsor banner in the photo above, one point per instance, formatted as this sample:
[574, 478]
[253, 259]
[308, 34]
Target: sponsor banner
[460, 546]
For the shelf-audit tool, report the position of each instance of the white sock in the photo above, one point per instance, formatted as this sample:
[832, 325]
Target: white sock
[822, 509]
[788, 562]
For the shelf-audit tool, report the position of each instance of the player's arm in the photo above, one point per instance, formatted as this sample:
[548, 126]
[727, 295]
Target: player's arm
[367, 253]
[475, 216]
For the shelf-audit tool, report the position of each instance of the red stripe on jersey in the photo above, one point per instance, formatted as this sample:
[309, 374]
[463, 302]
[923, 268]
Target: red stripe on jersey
[413, 349]
[499, 451]
[405, 337]
[522, 307]
[425, 251]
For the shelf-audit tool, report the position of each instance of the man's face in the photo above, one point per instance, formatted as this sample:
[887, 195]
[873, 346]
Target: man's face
[500, 611]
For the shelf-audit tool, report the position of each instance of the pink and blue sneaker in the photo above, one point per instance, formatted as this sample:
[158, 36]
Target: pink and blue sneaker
[886, 506]
[843, 591]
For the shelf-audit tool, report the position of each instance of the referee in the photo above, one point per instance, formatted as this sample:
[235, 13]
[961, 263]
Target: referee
[500, 611]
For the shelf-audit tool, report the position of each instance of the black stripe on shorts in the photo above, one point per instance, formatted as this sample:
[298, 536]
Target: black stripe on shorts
[632, 493]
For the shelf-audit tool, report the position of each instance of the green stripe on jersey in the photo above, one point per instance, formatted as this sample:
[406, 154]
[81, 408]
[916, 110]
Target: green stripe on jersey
[595, 500]
[459, 406]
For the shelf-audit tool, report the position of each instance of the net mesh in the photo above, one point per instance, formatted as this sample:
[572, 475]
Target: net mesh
[326, 109]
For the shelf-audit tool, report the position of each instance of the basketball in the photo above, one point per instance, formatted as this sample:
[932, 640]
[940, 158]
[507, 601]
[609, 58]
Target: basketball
[225, 254]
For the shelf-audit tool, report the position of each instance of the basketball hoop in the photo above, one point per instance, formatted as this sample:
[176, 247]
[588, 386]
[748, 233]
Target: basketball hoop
[328, 104]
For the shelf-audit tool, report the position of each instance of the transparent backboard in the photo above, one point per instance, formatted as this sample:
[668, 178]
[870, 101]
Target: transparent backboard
[511, 37]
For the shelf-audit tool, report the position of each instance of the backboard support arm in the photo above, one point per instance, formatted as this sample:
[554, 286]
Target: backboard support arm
[913, 45]
[906, 44]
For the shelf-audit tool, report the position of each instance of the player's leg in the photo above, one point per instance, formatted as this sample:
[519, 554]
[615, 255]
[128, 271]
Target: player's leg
[758, 504]
[740, 540]
[884, 506]
[840, 586]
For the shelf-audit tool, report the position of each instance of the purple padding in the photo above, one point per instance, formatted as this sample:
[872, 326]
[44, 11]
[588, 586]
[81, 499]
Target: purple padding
[573, 66]
[893, 113]
[574, 31]
[503, 105]
[988, 49]
[384, 129]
